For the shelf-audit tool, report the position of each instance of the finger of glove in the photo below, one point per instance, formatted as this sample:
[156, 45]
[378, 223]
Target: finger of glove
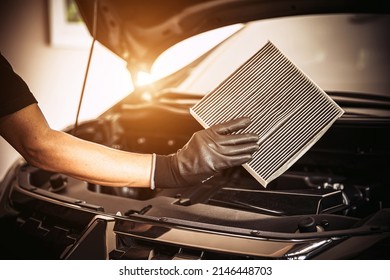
[232, 161]
[231, 126]
[235, 139]
[242, 149]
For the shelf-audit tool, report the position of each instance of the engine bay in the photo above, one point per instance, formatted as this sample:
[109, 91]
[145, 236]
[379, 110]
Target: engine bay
[337, 191]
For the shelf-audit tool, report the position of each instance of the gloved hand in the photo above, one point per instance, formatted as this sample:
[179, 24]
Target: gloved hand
[206, 153]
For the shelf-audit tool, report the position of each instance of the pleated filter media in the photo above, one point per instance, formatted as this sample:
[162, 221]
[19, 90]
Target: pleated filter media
[288, 110]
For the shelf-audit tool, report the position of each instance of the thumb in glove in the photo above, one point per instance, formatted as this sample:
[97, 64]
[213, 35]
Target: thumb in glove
[207, 152]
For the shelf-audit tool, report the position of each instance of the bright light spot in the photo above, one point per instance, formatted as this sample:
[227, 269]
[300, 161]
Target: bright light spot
[147, 96]
[144, 78]
[185, 52]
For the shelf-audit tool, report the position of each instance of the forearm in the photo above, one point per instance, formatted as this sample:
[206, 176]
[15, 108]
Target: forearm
[91, 162]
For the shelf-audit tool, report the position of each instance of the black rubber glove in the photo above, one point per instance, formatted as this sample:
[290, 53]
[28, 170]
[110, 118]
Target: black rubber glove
[206, 153]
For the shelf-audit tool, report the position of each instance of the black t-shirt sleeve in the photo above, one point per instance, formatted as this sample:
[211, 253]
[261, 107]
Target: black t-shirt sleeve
[14, 92]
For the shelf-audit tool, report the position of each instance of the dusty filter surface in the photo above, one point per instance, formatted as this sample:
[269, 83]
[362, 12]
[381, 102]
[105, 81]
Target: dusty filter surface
[288, 110]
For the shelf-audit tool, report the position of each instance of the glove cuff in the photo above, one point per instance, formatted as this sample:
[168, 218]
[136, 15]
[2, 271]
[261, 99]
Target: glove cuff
[153, 172]
[166, 173]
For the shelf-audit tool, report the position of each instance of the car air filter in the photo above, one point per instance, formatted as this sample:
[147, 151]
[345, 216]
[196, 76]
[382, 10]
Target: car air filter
[288, 110]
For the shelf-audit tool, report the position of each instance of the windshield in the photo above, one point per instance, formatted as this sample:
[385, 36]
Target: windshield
[342, 53]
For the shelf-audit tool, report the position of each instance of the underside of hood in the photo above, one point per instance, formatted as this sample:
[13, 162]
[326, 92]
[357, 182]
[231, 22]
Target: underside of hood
[140, 30]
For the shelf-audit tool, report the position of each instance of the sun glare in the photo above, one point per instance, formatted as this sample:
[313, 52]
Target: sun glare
[184, 53]
[144, 78]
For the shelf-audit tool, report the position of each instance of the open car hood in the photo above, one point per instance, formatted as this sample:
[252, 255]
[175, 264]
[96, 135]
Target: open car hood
[139, 31]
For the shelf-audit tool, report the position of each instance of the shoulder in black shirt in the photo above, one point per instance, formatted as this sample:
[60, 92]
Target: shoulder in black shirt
[14, 92]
